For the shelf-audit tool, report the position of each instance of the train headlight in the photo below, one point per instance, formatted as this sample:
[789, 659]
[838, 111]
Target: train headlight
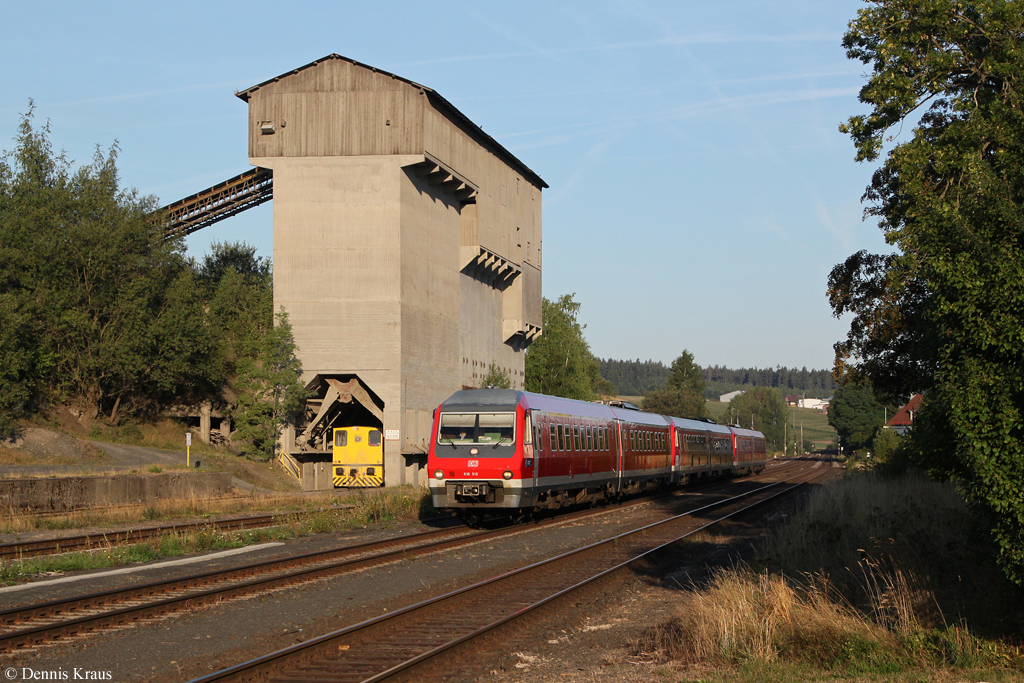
[507, 474]
[438, 474]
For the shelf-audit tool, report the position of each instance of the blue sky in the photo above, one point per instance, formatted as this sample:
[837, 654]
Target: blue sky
[700, 190]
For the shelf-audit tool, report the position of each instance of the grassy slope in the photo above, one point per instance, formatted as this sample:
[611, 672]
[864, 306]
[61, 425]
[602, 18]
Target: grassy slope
[858, 585]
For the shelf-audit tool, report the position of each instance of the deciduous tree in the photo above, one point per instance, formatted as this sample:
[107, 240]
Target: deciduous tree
[560, 363]
[268, 389]
[855, 415]
[95, 304]
[762, 409]
[944, 314]
[683, 395]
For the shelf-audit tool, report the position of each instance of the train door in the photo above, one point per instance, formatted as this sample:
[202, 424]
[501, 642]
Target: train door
[536, 452]
[617, 455]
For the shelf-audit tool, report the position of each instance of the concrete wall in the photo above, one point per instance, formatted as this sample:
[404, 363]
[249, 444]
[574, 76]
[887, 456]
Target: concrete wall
[60, 494]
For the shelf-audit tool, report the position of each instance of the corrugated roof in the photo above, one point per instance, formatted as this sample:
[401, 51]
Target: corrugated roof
[439, 103]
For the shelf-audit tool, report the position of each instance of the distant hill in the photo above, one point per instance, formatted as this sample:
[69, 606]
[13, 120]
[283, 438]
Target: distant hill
[637, 377]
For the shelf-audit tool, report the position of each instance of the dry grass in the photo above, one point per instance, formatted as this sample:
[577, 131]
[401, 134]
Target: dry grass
[873, 575]
[323, 516]
[744, 616]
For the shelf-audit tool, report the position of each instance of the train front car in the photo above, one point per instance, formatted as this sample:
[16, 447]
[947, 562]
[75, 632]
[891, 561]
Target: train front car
[481, 438]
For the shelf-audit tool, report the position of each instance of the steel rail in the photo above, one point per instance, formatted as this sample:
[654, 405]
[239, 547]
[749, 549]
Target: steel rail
[367, 652]
[189, 591]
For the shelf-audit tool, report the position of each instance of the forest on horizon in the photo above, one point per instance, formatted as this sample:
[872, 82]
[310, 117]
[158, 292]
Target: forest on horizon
[637, 377]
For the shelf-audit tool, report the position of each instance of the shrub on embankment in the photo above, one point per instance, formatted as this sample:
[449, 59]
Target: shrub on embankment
[872, 575]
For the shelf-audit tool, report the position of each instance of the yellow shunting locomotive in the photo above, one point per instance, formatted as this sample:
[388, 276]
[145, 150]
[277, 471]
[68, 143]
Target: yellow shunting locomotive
[358, 457]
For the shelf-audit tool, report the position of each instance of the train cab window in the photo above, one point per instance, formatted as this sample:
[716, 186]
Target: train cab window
[477, 428]
[340, 438]
[373, 438]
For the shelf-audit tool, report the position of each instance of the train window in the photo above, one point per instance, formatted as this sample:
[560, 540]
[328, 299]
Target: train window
[648, 441]
[590, 438]
[561, 439]
[632, 441]
[340, 438]
[477, 428]
[528, 429]
[576, 438]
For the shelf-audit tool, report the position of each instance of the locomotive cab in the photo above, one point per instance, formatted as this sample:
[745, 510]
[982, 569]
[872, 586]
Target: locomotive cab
[476, 453]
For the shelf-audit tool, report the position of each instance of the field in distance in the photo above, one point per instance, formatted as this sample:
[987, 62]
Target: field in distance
[815, 423]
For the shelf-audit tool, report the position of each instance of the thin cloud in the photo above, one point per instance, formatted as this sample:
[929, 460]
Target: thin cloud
[675, 41]
[713, 106]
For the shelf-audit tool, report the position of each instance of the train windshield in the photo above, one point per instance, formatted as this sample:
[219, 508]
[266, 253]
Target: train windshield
[485, 429]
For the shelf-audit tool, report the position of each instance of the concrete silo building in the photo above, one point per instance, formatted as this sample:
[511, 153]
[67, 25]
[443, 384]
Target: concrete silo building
[407, 242]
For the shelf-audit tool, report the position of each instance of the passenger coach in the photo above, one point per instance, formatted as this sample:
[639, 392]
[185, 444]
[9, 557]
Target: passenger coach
[496, 449]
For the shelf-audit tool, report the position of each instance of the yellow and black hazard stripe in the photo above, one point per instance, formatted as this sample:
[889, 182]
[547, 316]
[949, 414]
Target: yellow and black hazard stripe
[364, 481]
[358, 476]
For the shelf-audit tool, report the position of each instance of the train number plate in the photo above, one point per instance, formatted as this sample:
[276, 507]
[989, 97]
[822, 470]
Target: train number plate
[473, 463]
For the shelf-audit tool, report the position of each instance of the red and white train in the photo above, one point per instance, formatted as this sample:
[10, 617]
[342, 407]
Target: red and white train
[497, 450]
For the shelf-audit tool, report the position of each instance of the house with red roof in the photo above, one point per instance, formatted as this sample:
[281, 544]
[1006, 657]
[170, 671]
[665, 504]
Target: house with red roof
[903, 421]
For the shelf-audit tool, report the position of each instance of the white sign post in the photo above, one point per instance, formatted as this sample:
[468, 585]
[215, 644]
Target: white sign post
[188, 449]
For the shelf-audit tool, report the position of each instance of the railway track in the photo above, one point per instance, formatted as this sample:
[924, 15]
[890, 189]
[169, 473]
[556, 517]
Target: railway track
[30, 626]
[52, 546]
[418, 642]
